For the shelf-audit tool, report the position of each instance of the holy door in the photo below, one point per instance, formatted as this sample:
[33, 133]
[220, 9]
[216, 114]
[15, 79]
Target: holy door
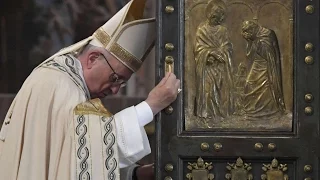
[249, 108]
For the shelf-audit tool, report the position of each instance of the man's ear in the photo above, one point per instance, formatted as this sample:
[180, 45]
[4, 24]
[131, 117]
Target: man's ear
[92, 59]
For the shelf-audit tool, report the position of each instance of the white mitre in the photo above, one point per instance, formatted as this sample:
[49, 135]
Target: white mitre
[127, 36]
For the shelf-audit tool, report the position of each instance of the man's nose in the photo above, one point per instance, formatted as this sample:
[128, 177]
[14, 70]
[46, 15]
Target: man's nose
[115, 89]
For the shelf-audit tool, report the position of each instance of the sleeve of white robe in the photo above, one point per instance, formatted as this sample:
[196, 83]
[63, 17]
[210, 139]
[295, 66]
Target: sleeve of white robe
[132, 139]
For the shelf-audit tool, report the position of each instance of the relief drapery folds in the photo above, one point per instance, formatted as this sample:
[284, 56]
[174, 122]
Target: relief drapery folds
[241, 72]
[262, 94]
[213, 53]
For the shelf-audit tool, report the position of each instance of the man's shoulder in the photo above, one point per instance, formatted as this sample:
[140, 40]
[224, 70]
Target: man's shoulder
[221, 27]
[48, 79]
[201, 27]
[47, 75]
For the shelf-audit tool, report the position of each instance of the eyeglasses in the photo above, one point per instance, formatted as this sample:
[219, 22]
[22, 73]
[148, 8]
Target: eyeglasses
[114, 77]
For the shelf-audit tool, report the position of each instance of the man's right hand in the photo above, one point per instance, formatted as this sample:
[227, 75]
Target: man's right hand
[164, 93]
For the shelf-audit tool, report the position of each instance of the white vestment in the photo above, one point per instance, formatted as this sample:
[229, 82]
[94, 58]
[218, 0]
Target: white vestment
[38, 133]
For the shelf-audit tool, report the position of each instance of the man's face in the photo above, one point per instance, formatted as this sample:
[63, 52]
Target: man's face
[104, 79]
[248, 31]
[247, 34]
[216, 16]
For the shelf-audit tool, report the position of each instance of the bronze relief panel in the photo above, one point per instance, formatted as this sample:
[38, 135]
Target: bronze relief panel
[239, 65]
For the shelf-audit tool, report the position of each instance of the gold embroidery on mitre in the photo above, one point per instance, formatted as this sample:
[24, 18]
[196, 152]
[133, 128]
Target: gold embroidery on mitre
[102, 36]
[93, 106]
[126, 57]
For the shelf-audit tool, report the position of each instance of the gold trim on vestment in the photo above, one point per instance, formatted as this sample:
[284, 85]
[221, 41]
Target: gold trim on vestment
[103, 37]
[93, 106]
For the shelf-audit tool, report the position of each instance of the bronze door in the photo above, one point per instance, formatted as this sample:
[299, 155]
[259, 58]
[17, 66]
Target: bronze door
[249, 106]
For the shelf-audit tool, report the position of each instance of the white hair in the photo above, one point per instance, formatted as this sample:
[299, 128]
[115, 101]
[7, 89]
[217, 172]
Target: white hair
[91, 47]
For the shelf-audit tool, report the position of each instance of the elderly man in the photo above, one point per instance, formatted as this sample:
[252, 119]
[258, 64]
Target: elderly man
[263, 89]
[56, 129]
